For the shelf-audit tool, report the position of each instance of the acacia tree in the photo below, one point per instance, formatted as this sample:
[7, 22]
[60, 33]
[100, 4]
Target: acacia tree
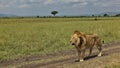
[105, 15]
[54, 13]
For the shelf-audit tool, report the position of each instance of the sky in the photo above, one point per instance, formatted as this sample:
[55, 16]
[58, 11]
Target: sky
[64, 7]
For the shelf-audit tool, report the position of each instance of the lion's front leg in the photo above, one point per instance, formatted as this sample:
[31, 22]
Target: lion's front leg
[81, 55]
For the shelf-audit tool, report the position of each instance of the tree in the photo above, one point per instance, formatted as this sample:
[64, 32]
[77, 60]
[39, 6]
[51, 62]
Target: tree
[117, 15]
[54, 13]
[37, 16]
[93, 15]
[105, 15]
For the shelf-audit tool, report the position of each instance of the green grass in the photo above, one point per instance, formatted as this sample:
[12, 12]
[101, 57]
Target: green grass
[30, 36]
[114, 66]
[117, 66]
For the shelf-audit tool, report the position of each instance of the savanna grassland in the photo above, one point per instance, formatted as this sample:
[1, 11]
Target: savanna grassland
[32, 36]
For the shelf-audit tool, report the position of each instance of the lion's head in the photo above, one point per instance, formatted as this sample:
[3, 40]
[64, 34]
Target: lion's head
[76, 38]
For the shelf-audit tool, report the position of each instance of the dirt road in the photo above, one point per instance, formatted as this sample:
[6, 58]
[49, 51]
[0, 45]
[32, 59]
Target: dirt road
[66, 59]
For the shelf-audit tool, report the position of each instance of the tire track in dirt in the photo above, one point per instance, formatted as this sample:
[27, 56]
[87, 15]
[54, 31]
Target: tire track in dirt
[65, 61]
[112, 49]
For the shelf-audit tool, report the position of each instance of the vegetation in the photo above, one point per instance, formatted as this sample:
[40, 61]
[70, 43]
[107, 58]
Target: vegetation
[114, 66]
[30, 36]
[54, 12]
[117, 15]
[105, 15]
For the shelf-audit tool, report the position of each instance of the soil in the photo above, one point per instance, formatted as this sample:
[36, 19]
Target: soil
[111, 53]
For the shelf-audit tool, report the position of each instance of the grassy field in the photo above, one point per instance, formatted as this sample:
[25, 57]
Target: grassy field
[32, 36]
[115, 66]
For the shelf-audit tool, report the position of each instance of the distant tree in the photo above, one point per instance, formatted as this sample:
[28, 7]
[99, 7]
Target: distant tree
[37, 16]
[105, 15]
[54, 13]
[117, 15]
[93, 15]
[64, 16]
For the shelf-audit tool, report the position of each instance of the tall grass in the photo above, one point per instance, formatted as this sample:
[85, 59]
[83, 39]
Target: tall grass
[30, 36]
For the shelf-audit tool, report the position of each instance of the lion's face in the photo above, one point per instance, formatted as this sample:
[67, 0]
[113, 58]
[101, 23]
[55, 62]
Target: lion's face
[74, 39]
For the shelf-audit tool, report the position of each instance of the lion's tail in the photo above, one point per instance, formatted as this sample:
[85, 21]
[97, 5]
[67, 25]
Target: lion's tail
[103, 41]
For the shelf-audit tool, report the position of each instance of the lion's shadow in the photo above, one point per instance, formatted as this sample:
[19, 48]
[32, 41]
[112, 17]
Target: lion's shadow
[90, 57]
[93, 56]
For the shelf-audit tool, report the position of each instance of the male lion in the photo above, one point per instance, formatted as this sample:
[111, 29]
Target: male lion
[83, 42]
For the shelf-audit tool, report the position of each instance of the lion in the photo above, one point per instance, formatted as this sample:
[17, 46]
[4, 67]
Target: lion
[82, 42]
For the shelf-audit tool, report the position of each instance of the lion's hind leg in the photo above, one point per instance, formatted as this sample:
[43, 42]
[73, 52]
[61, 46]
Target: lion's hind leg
[90, 52]
[99, 47]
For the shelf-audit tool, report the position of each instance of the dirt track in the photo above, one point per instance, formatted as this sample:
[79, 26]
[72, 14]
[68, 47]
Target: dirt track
[66, 59]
